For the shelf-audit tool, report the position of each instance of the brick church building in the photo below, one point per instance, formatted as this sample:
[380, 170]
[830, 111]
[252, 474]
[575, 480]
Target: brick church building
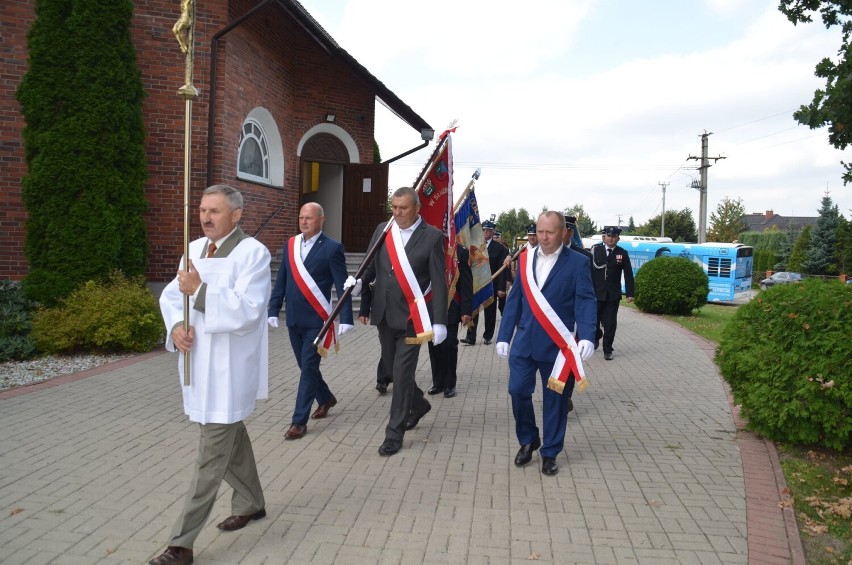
[284, 114]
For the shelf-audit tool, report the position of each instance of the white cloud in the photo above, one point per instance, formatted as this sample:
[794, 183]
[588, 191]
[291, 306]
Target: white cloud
[550, 132]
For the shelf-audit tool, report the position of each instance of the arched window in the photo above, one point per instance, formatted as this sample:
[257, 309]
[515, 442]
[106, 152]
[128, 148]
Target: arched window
[253, 156]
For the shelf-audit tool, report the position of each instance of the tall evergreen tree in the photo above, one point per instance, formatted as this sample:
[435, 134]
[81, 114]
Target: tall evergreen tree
[799, 252]
[631, 225]
[727, 221]
[680, 226]
[844, 246]
[84, 142]
[822, 252]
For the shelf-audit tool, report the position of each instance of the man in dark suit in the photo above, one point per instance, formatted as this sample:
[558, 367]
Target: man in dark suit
[556, 280]
[312, 262]
[497, 253]
[409, 262]
[571, 239]
[609, 263]
[444, 357]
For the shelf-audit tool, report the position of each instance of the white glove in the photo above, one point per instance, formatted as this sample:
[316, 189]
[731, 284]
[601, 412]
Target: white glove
[502, 349]
[356, 285]
[586, 348]
[273, 321]
[343, 328]
[440, 333]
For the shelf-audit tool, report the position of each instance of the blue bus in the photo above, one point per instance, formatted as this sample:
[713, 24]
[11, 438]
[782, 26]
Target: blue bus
[728, 266]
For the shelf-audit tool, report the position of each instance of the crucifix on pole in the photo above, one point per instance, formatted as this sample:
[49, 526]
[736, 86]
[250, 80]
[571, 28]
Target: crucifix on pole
[184, 30]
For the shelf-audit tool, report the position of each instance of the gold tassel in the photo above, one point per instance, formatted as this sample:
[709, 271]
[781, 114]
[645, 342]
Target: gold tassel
[555, 384]
[583, 384]
[419, 338]
[323, 352]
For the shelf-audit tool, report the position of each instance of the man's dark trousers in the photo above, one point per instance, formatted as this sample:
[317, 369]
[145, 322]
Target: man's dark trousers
[311, 383]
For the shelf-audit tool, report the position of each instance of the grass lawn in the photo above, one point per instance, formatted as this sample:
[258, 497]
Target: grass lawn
[819, 480]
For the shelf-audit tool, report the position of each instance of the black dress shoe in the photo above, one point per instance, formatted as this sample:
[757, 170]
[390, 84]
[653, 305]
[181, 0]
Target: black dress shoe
[549, 466]
[524, 455]
[570, 405]
[415, 417]
[449, 393]
[435, 390]
[382, 388]
[468, 341]
[608, 356]
[173, 555]
[486, 341]
[389, 447]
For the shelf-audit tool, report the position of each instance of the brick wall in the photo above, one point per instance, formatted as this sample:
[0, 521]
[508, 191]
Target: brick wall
[15, 18]
[267, 61]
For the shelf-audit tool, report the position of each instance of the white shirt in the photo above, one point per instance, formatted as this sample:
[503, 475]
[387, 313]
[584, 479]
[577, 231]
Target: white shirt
[405, 234]
[307, 244]
[544, 264]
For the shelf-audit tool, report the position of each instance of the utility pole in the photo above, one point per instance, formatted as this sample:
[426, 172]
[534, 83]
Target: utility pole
[702, 203]
[663, 217]
[619, 219]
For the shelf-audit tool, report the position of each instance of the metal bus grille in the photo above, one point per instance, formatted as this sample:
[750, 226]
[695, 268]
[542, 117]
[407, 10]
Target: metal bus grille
[719, 267]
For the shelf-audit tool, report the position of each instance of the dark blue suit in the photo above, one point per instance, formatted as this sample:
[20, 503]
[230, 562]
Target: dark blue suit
[326, 263]
[568, 288]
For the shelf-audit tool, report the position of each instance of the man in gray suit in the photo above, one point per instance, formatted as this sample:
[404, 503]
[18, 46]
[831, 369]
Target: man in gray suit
[417, 251]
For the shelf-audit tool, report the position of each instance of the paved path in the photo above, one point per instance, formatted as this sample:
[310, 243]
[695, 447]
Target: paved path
[93, 467]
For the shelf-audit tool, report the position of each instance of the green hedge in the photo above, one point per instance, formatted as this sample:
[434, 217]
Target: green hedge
[671, 285]
[786, 357]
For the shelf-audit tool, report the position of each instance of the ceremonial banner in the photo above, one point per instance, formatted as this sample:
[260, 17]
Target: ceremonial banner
[436, 199]
[469, 234]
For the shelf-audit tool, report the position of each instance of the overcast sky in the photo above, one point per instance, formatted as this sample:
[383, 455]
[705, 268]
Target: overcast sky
[597, 102]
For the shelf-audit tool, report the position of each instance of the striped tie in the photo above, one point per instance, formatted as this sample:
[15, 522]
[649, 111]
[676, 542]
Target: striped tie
[211, 250]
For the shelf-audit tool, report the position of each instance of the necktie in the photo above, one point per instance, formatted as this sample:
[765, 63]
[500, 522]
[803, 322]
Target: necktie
[608, 251]
[211, 250]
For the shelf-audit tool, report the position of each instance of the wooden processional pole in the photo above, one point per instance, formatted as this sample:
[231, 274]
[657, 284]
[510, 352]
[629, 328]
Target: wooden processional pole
[184, 30]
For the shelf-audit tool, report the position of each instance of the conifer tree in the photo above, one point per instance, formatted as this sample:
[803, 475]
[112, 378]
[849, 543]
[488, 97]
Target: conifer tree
[821, 258]
[799, 252]
[844, 246]
[84, 143]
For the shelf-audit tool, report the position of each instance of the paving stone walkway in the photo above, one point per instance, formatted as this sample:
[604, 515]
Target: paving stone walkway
[94, 467]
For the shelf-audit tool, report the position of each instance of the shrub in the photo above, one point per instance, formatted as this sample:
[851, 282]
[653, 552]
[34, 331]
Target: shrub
[84, 141]
[15, 340]
[117, 315]
[786, 357]
[671, 285]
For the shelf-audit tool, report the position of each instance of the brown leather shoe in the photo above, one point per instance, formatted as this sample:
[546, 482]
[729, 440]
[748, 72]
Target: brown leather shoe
[323, 409]
[173, 555]
[296, 432]
[232, 523]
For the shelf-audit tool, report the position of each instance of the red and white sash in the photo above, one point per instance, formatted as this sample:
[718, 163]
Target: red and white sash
[311, 292]
[418, 313]
[568, 359]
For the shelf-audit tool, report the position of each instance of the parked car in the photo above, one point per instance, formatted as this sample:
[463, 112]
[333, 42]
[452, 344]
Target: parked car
[781, 277]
